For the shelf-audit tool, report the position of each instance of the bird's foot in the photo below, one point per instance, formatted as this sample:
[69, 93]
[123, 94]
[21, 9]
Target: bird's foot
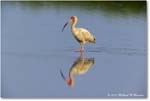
[80, 51]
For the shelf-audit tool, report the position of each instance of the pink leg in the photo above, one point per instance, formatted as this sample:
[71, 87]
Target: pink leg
[81, 54]
[81, 48]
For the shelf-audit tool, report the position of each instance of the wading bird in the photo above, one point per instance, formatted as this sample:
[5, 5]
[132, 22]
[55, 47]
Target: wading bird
[80, 66]
[81, 35]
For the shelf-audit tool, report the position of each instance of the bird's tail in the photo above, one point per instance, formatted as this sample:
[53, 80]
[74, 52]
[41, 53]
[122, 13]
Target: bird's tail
[93, 41]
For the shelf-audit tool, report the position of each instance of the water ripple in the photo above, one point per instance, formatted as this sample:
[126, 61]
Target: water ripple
[117, 51]
[112, 51]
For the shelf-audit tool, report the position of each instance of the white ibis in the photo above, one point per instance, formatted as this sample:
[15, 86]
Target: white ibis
[80, 66]
[81, 35]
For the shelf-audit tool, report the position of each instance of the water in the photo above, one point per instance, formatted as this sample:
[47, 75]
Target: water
[37, 57]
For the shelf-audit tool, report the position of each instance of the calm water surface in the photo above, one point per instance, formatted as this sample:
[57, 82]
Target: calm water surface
[36, 54]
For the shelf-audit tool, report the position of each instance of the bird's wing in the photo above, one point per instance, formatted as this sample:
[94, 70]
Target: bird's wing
[88, 63]
[82, 30]
[86, 34]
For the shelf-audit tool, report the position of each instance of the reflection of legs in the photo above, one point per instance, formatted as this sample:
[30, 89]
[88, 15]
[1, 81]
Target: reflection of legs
[81, 54]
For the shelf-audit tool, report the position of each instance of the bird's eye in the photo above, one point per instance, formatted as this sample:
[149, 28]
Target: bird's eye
[73, 19]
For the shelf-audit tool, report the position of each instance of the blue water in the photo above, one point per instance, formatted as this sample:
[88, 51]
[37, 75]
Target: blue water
[34, 50]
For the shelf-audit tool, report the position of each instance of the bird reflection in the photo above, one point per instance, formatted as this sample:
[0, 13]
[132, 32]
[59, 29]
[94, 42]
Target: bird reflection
[79, 67]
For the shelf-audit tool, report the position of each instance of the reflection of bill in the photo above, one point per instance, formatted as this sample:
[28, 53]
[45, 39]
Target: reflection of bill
[80, 66]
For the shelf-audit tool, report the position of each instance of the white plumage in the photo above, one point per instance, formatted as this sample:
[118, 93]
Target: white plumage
[81, 35]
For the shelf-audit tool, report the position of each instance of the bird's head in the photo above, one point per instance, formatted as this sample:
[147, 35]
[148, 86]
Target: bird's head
[69, 81]
[72, 19]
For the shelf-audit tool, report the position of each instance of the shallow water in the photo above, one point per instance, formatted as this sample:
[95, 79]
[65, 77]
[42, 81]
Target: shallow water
[37, 56]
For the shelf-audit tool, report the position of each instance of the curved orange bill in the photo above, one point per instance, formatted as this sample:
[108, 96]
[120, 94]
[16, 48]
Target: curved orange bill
[62, 75]
[65, 25]
[68, 81]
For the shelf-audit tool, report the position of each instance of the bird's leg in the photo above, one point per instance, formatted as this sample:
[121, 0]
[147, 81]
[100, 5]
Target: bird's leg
[81, 55]
[82, 47]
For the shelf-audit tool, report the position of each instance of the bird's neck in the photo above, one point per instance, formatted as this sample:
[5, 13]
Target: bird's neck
[73, 26]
